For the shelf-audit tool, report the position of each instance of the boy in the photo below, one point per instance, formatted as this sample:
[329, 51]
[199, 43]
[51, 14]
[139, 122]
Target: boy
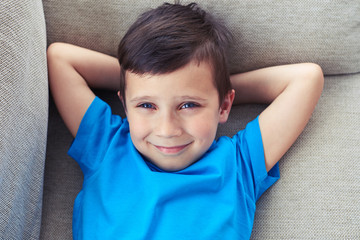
[159, 173]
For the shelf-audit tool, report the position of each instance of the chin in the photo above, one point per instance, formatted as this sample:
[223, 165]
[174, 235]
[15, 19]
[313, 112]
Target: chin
[172, 167]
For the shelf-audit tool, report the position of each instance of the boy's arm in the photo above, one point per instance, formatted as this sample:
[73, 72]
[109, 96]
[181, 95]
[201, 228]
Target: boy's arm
[292, 90]
[72, 72]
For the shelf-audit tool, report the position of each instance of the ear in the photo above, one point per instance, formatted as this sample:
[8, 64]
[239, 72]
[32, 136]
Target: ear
[122, 101]
[226, 106]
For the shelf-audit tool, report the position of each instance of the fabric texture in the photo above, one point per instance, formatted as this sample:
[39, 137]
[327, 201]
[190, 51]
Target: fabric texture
[23, 117]
[123, 196]
[318, 194]
[266, 33]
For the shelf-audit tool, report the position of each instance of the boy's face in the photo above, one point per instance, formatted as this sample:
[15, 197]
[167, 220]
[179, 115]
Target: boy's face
[173, 117]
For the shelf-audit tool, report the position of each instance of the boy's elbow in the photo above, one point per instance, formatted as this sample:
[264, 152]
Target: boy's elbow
[319, 76]
[61, 52]
[59, 63]
[55, 51]
[314, 74]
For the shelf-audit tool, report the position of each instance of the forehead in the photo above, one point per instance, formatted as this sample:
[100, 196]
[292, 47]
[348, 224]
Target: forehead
[194, 78]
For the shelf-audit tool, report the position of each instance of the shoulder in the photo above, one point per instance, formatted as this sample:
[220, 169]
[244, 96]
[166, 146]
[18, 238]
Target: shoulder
[98, 128]
[100, 113]
[100, 133]
[251, 160]
[250, 137]
[245, 141]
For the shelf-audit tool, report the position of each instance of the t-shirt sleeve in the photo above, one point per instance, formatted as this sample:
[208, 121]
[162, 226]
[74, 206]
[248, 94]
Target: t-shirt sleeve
[251, 161]
[96, 131]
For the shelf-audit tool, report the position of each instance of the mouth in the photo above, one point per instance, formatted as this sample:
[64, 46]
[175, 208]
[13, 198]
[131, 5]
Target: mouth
[172, 150]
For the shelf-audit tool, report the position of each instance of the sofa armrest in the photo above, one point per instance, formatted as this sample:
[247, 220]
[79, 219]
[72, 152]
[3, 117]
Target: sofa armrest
[23, 117]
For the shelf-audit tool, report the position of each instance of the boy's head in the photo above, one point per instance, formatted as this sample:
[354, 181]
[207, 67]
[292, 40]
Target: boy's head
[167, 38]
[174, 73]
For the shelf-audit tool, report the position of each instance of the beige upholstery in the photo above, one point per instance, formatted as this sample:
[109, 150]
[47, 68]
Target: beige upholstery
[23, 117]
[318, 195]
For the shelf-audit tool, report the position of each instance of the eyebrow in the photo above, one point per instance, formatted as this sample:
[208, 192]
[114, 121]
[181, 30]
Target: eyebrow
[196, 98]
[185, 97]
[141, 98]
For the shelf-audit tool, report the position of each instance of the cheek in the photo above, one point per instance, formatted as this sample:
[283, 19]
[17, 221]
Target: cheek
[205, 128]
[138, 128]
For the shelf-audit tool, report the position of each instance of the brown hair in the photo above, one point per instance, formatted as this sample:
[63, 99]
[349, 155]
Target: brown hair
[167, 38]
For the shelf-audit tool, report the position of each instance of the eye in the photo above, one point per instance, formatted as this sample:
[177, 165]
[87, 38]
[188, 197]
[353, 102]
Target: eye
[189, 105]
[146, 105]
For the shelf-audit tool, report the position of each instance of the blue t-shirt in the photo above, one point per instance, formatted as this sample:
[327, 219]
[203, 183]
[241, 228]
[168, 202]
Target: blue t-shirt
[126, 197]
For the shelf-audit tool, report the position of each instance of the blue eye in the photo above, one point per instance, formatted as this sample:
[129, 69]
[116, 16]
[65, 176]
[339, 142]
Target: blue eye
[189, 105]
[146, 105]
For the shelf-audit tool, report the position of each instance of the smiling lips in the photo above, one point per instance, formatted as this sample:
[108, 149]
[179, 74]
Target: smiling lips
[171, 150]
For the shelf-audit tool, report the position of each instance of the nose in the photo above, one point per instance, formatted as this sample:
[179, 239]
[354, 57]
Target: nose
[168, 125]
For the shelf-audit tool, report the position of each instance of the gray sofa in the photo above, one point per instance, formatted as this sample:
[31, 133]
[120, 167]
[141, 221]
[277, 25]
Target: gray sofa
[318, 195]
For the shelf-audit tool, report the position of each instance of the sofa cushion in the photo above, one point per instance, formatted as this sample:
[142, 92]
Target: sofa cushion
[23, 117]
[266, 33]
[318, 194]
